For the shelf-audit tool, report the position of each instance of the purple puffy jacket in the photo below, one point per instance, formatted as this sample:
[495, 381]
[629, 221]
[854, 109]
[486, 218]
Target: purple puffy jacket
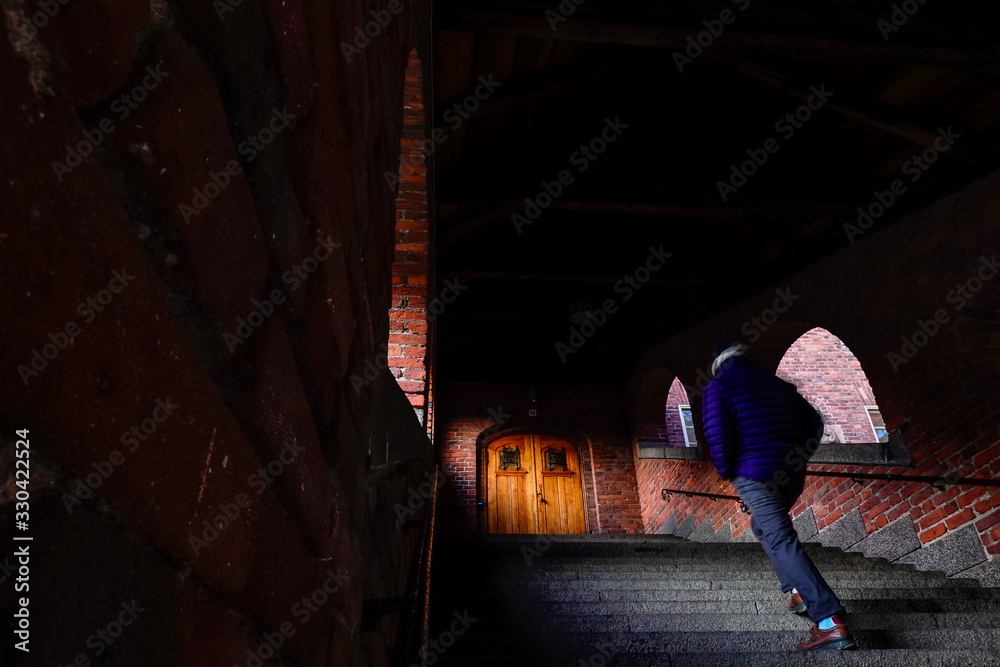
[753, 420]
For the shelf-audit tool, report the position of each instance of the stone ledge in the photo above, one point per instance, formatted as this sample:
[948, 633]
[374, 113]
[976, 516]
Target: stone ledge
[871, 453]
[657, 451]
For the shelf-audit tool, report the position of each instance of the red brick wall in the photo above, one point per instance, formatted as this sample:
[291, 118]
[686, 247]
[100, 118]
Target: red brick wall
[466, 410]
[179, 329]
[409, 351]
[942, 397]
[828, 374]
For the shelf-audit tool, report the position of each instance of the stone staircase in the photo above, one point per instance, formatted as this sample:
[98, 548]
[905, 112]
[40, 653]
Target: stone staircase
[597, 600]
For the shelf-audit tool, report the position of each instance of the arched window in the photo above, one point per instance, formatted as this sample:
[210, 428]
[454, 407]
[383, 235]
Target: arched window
[830, 377]
[678, 418]
[673, 426]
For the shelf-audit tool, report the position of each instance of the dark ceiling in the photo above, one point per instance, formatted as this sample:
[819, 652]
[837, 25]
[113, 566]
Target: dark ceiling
[657, 184]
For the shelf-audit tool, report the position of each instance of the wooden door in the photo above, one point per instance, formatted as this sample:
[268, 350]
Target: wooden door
[560, 505]
[533, 486]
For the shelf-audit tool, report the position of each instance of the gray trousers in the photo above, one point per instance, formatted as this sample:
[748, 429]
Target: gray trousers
[771, 524]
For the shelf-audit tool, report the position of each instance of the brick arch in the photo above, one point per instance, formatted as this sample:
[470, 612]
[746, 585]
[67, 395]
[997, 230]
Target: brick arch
[830, 376]
[648, 410]
[650, 386]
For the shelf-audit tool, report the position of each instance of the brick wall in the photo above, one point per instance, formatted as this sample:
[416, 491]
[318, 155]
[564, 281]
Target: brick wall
[245, 282]
[409, 351]
[828, 374]
[465, 411]
[930, 354]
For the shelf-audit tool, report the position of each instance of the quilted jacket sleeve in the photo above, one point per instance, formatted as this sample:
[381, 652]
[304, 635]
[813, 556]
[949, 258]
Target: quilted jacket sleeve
[720, 431]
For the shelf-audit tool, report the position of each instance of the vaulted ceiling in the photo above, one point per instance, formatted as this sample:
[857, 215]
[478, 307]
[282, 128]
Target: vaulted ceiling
[659, 182]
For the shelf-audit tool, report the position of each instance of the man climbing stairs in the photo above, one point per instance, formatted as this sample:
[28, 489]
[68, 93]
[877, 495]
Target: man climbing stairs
[589, 600]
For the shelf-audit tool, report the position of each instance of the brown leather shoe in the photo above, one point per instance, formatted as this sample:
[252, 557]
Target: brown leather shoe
[838, 637]
[796, 605]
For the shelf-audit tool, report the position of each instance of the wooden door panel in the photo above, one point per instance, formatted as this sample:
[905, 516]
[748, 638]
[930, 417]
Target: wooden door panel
[561, 501]
[512, 505]
[562, 511]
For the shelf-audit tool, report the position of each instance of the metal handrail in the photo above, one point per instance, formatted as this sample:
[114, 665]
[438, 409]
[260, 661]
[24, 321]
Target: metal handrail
[665, 493]
[419, 631]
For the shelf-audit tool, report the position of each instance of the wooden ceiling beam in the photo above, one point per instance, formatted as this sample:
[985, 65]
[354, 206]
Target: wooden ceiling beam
[854, 110]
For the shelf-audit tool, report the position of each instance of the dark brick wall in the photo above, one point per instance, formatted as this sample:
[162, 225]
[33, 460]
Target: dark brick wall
[597, 415]
[239, 192]
[936, 383]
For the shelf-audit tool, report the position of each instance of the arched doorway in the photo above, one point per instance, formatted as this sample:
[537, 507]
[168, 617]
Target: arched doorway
[534, 486]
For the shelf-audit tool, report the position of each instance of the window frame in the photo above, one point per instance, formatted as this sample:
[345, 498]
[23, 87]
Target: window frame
[684, 426]
[868, 411]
